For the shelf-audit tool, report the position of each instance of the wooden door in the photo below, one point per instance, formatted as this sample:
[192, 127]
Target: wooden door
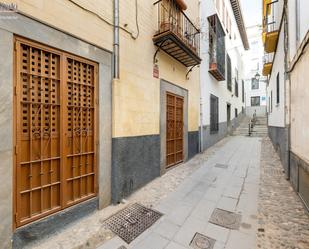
[54, 130]
[174, 129]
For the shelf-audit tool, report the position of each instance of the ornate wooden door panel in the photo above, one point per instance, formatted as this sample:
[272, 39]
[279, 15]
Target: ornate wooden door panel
[80, 126]
[174, 129]
[55, 130]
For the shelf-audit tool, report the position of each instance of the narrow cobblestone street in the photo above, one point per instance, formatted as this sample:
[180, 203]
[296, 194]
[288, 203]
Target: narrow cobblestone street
[284, 223]
[240, 175]
[280, 221]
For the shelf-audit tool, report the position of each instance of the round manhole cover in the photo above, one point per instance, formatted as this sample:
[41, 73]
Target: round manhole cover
[202, 243]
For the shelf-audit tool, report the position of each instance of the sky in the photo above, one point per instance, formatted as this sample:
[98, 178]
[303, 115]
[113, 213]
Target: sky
[252, 11]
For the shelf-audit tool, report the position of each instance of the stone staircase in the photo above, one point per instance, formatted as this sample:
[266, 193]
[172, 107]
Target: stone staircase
[260, 128]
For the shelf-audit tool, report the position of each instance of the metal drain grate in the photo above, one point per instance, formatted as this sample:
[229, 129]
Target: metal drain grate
[130, 222]
[221, 166]
[225, 219]
[201, 241]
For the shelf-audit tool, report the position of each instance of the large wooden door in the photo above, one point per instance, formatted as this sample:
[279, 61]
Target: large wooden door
[55, 155]
[174, 129]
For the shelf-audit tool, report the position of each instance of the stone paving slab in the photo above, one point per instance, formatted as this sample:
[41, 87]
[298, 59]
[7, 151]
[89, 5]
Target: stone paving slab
[188, 209]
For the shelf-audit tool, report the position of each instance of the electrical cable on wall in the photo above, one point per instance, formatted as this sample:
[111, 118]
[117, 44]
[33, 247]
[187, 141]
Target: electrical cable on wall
[133, 36]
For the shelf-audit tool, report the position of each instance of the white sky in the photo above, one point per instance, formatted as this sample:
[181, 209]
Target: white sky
[252, 11]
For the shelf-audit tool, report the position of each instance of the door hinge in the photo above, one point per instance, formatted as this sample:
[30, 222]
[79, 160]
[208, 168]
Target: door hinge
[15, 90]
[16, 217]
[97, 142]
[15, 150]
[97, 101]
[15, 46]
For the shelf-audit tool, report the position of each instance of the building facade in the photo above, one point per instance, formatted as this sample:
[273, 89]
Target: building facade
[255, 83]
[223, 40]
[285, 39]
[92, 109]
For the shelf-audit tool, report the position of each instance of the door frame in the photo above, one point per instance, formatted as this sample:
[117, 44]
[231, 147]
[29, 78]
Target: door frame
[165, 87]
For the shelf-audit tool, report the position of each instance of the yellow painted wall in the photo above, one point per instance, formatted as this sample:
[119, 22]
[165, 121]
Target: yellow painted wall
[136, 95]
[299, 108]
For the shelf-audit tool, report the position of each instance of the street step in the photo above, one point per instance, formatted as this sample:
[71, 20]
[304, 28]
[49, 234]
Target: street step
[260, 128]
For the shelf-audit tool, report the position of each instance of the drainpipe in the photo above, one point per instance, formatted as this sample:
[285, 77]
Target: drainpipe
[201, 122]
[287, 80]
[116, 39]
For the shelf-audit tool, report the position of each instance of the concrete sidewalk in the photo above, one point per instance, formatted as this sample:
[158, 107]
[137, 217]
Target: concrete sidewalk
[229, 180]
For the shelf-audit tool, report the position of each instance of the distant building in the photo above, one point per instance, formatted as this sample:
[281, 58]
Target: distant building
[255, 83]
[223, 40]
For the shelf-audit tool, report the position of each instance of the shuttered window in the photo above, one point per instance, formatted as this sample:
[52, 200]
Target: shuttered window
[214, 114]
[229, 73]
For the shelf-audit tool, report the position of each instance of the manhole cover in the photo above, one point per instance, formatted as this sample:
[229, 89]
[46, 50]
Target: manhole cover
[221, 166]
[201, 241]
[130, 222]
[225, 219]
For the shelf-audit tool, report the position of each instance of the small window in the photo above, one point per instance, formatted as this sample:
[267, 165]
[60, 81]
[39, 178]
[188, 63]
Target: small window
[255, 101]
[278, 89]
[255, 84]
[243, 91]
[214, 114]
[236, 113]
[271, 101]
[229, 72]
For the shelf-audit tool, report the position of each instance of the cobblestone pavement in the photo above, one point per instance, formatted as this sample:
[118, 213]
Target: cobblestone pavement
[229, 181]
[283, 221]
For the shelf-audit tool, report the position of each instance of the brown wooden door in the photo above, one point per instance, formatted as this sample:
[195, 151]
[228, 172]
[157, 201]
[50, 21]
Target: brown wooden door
[55, 130]
[174, 129]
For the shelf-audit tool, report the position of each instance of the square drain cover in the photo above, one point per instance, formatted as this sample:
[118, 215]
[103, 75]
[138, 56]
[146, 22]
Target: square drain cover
[130, 222]
[221, 166]
[201, 241]
[225, 219]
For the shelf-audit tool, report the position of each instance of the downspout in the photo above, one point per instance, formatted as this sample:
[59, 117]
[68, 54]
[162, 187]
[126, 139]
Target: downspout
[116, 39]
[287, 80]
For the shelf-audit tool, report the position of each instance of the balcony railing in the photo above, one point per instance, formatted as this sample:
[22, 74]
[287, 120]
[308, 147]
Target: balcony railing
[216, 48]
[176, 34]
[267, 63]
[271, 24]
[271, 19]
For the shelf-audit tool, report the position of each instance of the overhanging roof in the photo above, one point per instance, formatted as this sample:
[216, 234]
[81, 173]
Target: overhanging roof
[240, 22]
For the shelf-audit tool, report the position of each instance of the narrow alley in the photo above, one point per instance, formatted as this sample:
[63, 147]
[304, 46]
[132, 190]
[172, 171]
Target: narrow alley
[240, 175]
[164, 124]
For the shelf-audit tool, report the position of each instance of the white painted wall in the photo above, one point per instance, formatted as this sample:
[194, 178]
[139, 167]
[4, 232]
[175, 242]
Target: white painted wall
[300, 13]
[277, 114]
[210, 85]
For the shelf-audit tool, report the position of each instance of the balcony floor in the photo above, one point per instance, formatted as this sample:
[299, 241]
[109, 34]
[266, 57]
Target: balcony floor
[176, 47]
[271, 40]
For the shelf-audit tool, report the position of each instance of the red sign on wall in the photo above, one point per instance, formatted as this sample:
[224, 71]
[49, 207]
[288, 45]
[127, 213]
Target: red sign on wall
[156, 71]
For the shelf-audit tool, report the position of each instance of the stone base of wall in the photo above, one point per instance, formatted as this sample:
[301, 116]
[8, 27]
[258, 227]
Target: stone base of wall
[300, 177]
[136, 161]
[210, 138]
[193, 143]
[280, 137]
[28, 234]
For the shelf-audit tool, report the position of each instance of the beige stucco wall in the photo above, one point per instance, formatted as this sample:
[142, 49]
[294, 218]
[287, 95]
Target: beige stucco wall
[136, 100]
[137, 93]
[299, 108]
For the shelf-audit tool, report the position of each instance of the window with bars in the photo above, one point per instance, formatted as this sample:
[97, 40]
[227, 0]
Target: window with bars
[243, 91]
[228, 72]
[278, 88]
[214, 114]
[255, 84]
[236, 89]
[255, 101]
